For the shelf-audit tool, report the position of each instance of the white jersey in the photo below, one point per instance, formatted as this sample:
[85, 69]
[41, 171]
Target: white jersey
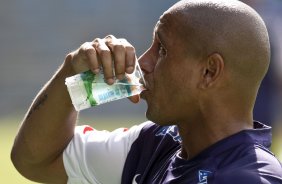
[149, 153]
[94, 157]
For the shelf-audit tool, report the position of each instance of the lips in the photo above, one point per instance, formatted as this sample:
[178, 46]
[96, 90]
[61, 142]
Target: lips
[145, 91]
[146, 87]
[143, 94]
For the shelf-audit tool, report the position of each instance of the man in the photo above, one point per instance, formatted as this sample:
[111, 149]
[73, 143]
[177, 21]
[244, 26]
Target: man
[202, 74]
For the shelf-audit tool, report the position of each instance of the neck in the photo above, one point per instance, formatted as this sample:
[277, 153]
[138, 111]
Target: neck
[200, 135]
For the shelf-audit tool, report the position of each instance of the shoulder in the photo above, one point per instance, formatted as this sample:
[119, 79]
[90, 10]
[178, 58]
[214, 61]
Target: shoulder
[151, 149]
[159, 133]
[256, 165]
[247, 176]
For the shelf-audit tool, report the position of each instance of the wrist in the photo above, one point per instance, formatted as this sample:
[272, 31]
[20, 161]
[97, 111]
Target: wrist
[67, 67]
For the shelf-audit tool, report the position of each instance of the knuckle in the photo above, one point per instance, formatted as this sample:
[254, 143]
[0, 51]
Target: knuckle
[90, 51]
[96, 40]
[69, 57]
[118, 47]
[84, 45]
[80, 51]
[110, 36]
[130, 49]
[105, 52]
[109, 40]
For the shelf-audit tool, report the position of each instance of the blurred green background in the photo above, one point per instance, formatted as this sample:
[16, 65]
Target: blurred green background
[35, 36]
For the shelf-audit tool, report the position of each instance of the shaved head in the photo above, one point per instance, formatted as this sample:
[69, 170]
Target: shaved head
[230, 28]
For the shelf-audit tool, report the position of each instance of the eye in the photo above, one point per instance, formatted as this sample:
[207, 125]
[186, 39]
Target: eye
[162, 51]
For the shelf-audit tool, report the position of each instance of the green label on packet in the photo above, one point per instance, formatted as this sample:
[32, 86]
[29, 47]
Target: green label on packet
[88, 77]
[113, 92]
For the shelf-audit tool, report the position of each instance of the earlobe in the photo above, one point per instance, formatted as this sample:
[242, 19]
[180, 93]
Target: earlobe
[213, 70]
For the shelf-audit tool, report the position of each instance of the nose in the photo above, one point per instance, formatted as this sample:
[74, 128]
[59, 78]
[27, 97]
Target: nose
[147, 62]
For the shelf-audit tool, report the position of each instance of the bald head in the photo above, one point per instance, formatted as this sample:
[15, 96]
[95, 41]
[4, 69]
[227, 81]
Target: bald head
[229, 28]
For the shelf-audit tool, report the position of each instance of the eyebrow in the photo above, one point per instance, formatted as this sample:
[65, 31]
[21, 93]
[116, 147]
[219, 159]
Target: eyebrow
[157, 33]
[160, 38]
[155, 29]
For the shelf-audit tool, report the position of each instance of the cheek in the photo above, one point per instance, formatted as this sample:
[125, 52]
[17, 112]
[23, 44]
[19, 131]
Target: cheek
[176, 83]
[164, 83]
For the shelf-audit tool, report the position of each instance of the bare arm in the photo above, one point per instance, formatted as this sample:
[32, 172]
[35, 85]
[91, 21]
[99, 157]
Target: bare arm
[45, 132]
[49, 124]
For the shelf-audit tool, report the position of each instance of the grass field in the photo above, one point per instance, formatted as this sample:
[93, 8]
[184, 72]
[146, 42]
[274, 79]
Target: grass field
[9, 127]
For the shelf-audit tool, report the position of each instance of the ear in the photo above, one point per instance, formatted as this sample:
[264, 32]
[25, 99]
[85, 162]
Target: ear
[212, 71]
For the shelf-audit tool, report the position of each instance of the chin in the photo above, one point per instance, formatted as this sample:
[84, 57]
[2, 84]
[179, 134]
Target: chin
[158, 119]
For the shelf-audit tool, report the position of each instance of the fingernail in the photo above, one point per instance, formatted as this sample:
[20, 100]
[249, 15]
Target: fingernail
[96, 71]
[129, 69]
[110, 81]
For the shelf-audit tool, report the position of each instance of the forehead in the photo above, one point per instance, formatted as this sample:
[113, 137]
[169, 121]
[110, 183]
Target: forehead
[169, 29]
[166, 25]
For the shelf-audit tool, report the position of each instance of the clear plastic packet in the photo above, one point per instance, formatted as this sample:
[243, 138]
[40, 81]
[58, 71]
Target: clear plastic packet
[88, 89]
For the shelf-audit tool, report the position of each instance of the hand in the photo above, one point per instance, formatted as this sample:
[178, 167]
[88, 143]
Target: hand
[115, 56]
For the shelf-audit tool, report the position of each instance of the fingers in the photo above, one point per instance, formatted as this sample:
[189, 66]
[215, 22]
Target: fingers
[115, 56]
[90, 57]
[123, 54]
[105, 57]
[130, 56]
[118, 52]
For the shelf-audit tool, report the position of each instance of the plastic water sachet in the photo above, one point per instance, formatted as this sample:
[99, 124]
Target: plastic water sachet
[88, 89]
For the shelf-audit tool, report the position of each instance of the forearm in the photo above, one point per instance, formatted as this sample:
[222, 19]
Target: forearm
[48, 125]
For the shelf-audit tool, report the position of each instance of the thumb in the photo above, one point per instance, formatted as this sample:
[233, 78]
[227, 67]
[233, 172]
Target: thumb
[134, 99]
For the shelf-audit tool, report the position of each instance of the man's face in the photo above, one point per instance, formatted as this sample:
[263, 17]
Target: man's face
[170, 74]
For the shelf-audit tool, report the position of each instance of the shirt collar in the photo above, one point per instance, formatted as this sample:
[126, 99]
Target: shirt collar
[260, 134]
